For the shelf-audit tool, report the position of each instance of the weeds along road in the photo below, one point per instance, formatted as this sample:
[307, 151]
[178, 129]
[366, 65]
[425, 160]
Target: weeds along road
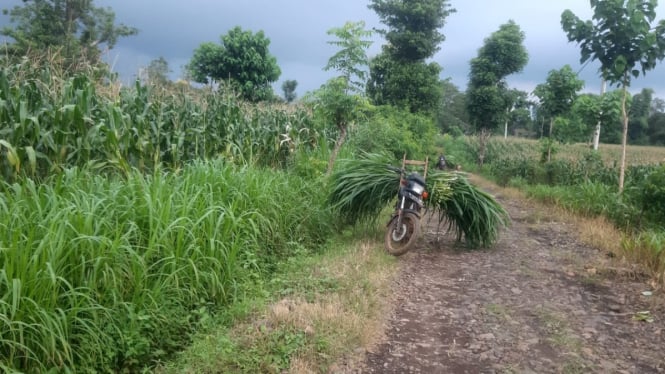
[540, 301]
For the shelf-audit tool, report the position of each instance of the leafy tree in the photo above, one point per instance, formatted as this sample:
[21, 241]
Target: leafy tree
[413, 26]
[638, 117]
[413, 86]
[340, 100]
[621, 37]
[611, 107]
[657, 105]
[289, 90]
[452, 116]
[488, 99]
[242, 58]
[590, 109]
[518, 103]
[157, 71]
[77, 27]
[657, 129]
[399, 75]
[557, 95]
[351, 59]
[518, 119]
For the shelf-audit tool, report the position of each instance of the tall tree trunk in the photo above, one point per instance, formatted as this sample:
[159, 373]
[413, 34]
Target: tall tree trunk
[338, 145]
[624, 137]
[596, 133]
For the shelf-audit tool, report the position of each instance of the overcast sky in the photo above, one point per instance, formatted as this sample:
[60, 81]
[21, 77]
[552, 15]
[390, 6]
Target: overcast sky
[297, 30]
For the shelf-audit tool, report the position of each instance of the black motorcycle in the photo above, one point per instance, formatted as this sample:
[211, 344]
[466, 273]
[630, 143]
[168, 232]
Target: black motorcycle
[404, 224]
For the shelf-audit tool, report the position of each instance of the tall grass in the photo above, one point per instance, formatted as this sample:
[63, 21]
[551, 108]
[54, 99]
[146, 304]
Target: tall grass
[109, 274]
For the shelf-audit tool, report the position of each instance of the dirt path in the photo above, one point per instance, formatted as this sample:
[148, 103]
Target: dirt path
[538, 302]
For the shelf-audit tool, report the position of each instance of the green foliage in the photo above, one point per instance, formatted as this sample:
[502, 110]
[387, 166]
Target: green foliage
[362, 188]
[652, 196]
[413, 26]
[620, 37]
[451, 115]
[502, 54]
[157, 71]
[351, 60]
[473, 214]
[243, 59]
[289, 90]
[413, 86]
[112, 275]
[58, 122]
[340, 101]
[640, 109]
[657, 129]
[394, 132]
[77, 27]
[399, 75]
[558, 94]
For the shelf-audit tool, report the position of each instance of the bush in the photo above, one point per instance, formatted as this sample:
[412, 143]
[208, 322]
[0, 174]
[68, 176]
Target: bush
[653, 196]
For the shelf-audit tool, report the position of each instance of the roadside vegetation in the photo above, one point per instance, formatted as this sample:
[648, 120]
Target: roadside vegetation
[585, 182]
[174, 227]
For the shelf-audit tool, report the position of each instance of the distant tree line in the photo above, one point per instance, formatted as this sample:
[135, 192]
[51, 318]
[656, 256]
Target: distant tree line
[402, 75]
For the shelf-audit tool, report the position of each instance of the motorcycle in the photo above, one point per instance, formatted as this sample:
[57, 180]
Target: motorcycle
[404, 225]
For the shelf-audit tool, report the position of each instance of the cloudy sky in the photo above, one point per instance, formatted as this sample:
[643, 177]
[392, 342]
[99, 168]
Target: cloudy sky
[173, 29]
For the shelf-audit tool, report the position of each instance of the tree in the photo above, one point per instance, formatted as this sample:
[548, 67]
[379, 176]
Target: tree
[638, 118]
[243, 59]
[157, 71]
[557, 96]
[452, 116]
[413, 26]
[488, 100]
[77, 27]
[518, 116]
[414, 86]
[351, 60]
[399, 75]
[657, 129]
[620, 37]
[341, 98]
[289, 90]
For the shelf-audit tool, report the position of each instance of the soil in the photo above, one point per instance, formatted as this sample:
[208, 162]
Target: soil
[539, 301]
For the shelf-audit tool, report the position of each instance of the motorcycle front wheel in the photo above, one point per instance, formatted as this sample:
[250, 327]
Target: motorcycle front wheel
[400, 238]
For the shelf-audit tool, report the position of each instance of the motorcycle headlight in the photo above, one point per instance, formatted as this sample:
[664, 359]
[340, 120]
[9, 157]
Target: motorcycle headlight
[417, 188]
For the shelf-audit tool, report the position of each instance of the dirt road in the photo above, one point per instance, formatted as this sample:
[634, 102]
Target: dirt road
[540, 301]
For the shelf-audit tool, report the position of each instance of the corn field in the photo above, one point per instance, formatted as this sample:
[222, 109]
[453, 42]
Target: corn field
[129, 216]
[49, 123]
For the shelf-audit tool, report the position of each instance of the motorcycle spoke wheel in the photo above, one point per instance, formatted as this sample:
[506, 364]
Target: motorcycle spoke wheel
[398, 240]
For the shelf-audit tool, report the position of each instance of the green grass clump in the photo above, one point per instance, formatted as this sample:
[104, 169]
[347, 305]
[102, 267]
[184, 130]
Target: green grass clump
[114, 274]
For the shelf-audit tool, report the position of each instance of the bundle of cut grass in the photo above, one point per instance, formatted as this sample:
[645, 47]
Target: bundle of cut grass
[361, 188]
[473, 214]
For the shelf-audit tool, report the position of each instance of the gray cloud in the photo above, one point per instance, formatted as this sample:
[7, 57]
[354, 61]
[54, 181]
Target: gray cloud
[297, 29]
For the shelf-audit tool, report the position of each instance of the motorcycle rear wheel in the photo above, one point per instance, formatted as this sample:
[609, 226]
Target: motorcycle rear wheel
[399, 240]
